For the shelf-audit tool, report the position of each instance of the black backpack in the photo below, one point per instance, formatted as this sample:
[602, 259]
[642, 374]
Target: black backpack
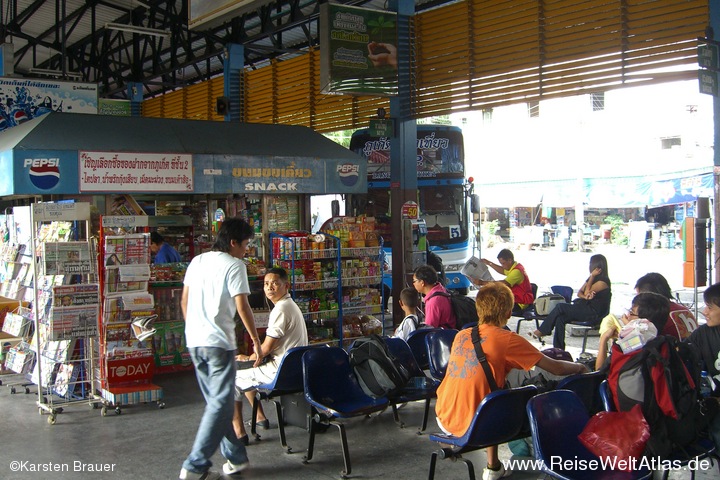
[663, 377]
[378, 373]
[462, 306]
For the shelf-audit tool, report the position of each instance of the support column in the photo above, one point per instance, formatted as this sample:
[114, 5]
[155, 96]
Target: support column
[403, 151]
[233, 65]
[714, 26]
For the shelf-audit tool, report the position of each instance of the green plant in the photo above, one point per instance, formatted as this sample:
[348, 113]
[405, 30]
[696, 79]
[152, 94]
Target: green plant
[617, 235]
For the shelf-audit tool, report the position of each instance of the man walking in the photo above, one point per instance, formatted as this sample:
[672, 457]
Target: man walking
[215, 287]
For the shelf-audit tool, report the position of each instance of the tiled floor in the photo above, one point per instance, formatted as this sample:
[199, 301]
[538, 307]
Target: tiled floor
[145, 442]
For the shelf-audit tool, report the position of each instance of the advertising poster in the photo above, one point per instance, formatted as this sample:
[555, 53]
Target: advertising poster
[24, 99]
[135, 172]
[118, 108]
[358, 50]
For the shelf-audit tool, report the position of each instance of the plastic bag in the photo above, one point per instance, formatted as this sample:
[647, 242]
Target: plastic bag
[621, 436]
[635, 334]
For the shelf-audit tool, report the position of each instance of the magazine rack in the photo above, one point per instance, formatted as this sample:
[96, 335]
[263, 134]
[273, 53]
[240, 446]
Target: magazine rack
[65, 308]
[127, 362]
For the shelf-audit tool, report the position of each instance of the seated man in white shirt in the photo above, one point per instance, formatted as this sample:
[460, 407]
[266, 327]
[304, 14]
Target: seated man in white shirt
[286, 329]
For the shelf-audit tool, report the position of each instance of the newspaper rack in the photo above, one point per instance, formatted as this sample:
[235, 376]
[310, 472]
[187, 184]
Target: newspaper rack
[127, 361]
[65, 309]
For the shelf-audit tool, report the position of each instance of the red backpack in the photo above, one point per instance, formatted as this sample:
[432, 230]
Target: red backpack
[663, 378]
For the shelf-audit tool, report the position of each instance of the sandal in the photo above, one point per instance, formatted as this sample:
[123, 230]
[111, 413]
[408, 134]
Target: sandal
[535, 337]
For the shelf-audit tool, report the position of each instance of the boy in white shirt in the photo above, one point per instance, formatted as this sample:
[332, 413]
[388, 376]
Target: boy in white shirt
[408, 302]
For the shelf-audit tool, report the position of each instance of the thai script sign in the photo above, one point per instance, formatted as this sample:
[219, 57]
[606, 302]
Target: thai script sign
[135, 172]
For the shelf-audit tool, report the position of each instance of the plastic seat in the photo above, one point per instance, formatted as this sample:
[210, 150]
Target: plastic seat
[606, 396]
[564, 290]
[333, 391]
[438, 345]
[556, 419]
[499, 418]
[587, 387]
[416, 341]
[420, 386]
[289, 379]
[529, 312]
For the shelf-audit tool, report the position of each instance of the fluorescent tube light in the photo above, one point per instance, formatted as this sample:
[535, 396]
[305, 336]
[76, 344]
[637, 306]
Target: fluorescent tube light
[137, 29]
[55, 73]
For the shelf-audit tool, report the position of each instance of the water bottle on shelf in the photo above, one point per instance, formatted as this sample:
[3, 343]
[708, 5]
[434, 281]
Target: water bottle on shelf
[706, 384]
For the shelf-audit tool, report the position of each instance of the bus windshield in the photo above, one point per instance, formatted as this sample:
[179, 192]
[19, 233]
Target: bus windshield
[442, 208]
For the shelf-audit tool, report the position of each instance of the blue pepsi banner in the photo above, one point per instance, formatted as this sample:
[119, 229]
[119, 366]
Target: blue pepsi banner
[23, 99]
[44, 172]
[277, 175]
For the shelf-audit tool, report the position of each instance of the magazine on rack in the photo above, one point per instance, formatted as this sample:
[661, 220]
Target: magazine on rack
[474, 268]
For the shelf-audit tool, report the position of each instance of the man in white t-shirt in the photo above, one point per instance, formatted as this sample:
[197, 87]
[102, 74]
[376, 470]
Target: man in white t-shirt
[214, 289]
[286, 329]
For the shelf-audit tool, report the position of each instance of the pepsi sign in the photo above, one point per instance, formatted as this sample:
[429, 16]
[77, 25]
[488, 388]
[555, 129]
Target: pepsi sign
[44, 173]
[349, 173]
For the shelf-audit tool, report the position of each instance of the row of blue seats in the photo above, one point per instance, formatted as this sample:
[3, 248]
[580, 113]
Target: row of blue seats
[554, 419]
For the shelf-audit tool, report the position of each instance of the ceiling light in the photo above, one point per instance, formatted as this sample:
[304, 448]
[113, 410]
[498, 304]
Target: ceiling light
[55, 73]
[137, 29]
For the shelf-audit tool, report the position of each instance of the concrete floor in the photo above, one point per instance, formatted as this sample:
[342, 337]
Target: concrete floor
[146, 442]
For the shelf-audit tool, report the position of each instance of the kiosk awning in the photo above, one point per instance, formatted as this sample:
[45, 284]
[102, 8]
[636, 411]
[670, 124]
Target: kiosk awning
[65, 153]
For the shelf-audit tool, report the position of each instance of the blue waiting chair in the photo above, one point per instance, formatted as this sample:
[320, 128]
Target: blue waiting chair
[288, 379]
[438, 345]
[333, 391]
[420, 387]
[556, 419]
[587, 387]
[606, 396]
[416, 341]
[499, 418]
[564, 290]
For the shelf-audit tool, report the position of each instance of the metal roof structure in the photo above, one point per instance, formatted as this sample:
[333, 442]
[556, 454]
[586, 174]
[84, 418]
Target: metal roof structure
[97, 41]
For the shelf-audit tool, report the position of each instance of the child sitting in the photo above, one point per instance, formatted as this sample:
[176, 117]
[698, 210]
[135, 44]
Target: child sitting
[408, 302]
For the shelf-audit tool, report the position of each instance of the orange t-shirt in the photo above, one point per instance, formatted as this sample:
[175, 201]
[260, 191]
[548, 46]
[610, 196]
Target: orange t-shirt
[465, 385]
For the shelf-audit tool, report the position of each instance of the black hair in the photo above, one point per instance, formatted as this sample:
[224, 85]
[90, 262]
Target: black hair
[599, 261]
[506, 255]
[232, 229]
[409, 297]
[156, 238]
[280, 272]
[654, 283]
[653, 307]
[427, 274]
[712, 295]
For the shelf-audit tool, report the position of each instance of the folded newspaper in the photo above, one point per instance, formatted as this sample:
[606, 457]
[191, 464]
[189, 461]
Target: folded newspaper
[142, 327]
[474, 268]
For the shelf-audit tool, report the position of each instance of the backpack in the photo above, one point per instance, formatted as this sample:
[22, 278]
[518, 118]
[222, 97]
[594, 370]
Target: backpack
[663, 378]
[376, 370]
[462, 306]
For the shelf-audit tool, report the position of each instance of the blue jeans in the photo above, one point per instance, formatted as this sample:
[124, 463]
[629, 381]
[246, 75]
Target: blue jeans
[563, 314]
[215, 371]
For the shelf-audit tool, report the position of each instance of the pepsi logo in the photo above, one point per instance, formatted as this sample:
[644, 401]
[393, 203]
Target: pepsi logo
[20, 117]
[44, 172]
[348, 173]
